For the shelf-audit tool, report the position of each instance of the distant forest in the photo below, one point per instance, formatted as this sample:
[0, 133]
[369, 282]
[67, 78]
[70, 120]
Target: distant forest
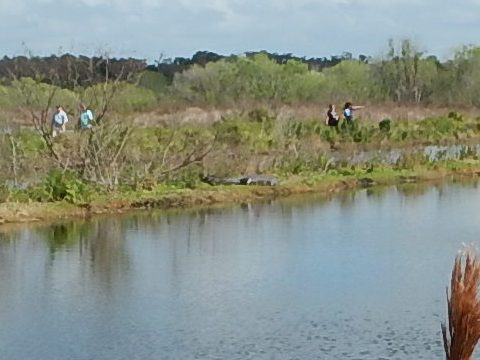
[68, 69]
[402, 75]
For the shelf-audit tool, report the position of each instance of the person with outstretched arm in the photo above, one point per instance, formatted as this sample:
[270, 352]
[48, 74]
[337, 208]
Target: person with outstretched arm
[348, 111]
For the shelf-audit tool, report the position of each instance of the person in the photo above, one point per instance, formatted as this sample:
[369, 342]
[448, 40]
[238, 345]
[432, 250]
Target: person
[59, 121]
[86, 118]
[348, 111]
[332, 117]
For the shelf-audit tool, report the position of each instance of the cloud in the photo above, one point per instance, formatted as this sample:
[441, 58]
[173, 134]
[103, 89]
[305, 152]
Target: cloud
[181, 27]
[120, 5]
[12, 7]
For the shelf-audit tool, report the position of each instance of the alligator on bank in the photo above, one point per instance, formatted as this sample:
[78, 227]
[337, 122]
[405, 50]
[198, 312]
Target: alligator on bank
[241, 180]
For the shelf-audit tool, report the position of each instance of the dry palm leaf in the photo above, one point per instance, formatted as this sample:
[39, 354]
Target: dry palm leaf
[463, 331]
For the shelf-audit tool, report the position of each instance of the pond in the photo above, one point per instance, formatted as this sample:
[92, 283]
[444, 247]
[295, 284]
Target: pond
[360, 275]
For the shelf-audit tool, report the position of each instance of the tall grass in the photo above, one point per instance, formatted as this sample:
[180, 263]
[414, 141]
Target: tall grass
[462, 331]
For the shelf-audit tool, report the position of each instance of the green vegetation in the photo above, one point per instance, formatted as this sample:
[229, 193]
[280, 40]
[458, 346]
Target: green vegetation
[118, 160]
[402, 75]
[115, 157]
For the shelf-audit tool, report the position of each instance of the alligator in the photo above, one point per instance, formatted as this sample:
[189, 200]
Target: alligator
[241, 180]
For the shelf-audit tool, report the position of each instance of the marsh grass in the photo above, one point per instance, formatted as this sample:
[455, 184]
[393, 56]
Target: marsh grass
[255, 142]
[461, 333]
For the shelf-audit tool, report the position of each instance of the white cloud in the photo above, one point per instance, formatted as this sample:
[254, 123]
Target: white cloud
[123, 5]
[224, 8]
[12, 7]
[180, 27]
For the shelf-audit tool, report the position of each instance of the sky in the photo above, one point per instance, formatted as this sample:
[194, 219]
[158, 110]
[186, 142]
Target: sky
[154, 29]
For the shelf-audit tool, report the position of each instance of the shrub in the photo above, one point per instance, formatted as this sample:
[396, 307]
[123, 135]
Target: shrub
[384, 125]
[61, 185]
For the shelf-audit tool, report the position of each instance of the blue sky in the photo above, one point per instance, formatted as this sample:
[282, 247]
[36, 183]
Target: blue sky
[149, 28]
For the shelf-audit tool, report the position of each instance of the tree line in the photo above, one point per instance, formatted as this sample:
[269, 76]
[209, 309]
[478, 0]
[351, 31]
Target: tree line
[403, 75]
[70, 68]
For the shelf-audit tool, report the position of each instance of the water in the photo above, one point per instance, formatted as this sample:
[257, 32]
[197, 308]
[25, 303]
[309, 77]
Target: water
[358, 276]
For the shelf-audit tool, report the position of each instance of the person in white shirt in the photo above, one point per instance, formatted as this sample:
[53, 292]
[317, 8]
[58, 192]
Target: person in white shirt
[59, 121]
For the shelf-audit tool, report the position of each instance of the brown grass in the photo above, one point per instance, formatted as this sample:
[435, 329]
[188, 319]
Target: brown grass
[463, 331]
[198, 115]
[371, 113]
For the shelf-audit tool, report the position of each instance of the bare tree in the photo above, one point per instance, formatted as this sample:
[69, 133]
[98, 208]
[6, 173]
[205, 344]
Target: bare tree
[176, 149]
[14, 158]
[100, 94]
[37, 101]
[102, 153]
[99, 158]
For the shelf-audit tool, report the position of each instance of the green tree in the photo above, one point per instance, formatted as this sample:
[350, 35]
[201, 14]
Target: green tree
[404, 75]
[350, 79]
[459, 82]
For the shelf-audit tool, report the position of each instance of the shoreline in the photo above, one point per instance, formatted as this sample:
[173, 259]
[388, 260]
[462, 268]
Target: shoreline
[17, 213]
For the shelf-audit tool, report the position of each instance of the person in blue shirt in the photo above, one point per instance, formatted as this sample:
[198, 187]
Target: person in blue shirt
[59, 121]
[348, 111]
[86, 118]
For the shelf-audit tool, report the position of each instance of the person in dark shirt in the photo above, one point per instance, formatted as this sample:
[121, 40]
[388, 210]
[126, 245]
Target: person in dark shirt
[332, 117]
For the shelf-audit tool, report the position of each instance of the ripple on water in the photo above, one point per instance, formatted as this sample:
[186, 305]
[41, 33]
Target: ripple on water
[360, 339]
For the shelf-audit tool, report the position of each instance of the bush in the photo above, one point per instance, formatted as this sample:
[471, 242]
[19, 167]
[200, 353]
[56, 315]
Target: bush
[132, 98]
[61, 185]
[187, 178]
[384, 125]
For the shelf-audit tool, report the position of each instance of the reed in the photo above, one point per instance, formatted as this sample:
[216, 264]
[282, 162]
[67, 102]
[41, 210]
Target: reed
[462, 331]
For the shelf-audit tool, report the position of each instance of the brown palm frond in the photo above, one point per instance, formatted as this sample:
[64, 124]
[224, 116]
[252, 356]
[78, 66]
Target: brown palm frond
[463, 331]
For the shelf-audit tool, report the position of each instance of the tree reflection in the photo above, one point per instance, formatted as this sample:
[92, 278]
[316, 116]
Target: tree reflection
[346, 198]
[64, 236]
[413, 190]
[377, 192]
[105, 246]
[7, 260]
[100, 246]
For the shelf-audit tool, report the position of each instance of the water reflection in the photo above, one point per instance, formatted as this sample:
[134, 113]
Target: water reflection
[377, 192]
[358, 275]
[414, 190]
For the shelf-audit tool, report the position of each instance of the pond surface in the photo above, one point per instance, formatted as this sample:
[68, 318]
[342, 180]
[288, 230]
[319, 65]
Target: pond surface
[359, 276]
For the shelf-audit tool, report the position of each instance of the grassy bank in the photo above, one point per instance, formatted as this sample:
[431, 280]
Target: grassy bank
[117, 166]
[166, 197]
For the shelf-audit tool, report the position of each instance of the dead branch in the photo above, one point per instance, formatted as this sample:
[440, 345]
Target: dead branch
[40, 122]
[102, 160]
[14, 160]
[191, 158]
